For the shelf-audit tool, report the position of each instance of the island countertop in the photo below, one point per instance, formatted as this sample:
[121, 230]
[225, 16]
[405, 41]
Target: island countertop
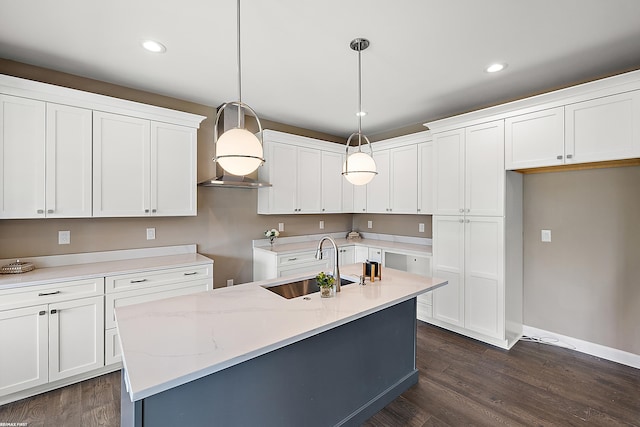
[173, 341]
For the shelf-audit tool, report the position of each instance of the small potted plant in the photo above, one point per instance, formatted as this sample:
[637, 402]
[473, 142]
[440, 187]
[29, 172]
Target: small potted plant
[271, 235]
[325, 282]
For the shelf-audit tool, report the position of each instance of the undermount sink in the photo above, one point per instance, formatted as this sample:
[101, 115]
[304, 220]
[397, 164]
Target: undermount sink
[301, 287]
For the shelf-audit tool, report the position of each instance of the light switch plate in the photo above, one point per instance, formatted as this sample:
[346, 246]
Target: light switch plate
[421, 227]
[369, 224]
[151, 233]
[545, 235]
[64, 237]
[281, 226]
[321, 225]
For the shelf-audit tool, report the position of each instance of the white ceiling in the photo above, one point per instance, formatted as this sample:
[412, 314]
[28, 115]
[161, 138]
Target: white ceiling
[426, 58]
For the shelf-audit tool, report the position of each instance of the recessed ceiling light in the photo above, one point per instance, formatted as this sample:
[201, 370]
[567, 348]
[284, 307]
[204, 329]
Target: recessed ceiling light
[154, 46]
[494, 68]
[361, 113]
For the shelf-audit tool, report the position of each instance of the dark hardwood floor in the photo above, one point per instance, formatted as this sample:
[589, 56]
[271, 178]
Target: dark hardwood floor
[462, 382]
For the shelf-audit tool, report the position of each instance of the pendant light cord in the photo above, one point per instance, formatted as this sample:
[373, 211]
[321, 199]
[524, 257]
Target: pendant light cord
[239, 71]
[359, 98]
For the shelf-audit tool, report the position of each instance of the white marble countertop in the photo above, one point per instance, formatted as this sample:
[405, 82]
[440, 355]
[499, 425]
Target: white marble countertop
[89, 270]
[287, 248]
[170, 342]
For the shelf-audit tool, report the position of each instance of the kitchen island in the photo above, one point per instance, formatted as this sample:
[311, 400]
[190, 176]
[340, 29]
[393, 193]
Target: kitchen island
[243, 355]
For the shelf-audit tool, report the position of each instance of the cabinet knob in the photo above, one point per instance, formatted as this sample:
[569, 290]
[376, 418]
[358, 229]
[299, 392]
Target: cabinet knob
[468, 210]
[461, 220]
[461, 210]
[54, 311]
[146, 211]
[42, 313]
[559, 157]
[49, 210]
[191, 274]
[322, 209]
[138, 281]
[569, 156]
[153, 210]
[40, 211]
[468, 221]
[418, 209]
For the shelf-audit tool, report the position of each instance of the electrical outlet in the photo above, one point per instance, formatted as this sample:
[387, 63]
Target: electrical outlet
[281, 226]
[421, 227]
[545, 235]
[229, 282]
[64, 237]
[151, 233]
[369, 224]
[321, 225]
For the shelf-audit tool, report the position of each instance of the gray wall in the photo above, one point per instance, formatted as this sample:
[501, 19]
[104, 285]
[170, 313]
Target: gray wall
[585, 283]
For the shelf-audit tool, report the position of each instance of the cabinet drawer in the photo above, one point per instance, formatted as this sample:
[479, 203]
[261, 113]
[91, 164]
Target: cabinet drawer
[297, 258]
[46, 294]
[155, 278]
[137, 296]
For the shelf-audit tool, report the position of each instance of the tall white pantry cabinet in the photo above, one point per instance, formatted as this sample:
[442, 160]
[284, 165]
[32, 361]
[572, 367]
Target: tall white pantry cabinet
[475, 202]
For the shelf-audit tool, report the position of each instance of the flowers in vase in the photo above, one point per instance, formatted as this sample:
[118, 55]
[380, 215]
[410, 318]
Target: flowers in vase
[271, 234]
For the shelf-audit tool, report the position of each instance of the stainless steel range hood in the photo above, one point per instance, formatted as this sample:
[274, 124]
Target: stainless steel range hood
[232, 181]
[229, 119]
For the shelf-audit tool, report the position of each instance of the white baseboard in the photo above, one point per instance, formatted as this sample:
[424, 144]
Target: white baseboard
[587, 347]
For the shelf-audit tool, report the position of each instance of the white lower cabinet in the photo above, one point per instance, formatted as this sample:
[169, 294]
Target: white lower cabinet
[469, 252]
[414, 264]
[126, 289]
[55, 332]
[347, 255]
[76, 337]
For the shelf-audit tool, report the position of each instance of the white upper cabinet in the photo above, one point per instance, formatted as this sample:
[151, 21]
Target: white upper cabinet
[603, 129]
[121, 165]
[425, 178]
[469, 170]
[535, 139]
[297, 173]
[173, 169]
[332, 182]
[46, 164]
[448, 166]
[68, 162]
[404, 180]
[142, 168]
[484, 169]
[378, 187]
[22, 166]
[66, 153]
[359, 198]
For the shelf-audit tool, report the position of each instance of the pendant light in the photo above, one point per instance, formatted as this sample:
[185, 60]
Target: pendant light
[238, 151]
[359, 167]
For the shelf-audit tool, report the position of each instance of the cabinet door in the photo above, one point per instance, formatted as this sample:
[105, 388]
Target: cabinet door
[484, 276]
[359, 198]
[121, 165]
[347, 255]
[283, 172]
[378, 188]
[68, 162]
[484, 169]
[309, 180]
[448, 167]
[425, 178]
[22, 146]
[331, 182]
[448, 263]
[403, 192]
[173, 170]
[603, 129]
[361, 254]
[375, 254]
[23, 362]
[76, 337]
[535, 139]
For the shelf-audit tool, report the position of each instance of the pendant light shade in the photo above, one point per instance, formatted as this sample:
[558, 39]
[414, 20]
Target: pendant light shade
[359, 168]
[238, 151]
